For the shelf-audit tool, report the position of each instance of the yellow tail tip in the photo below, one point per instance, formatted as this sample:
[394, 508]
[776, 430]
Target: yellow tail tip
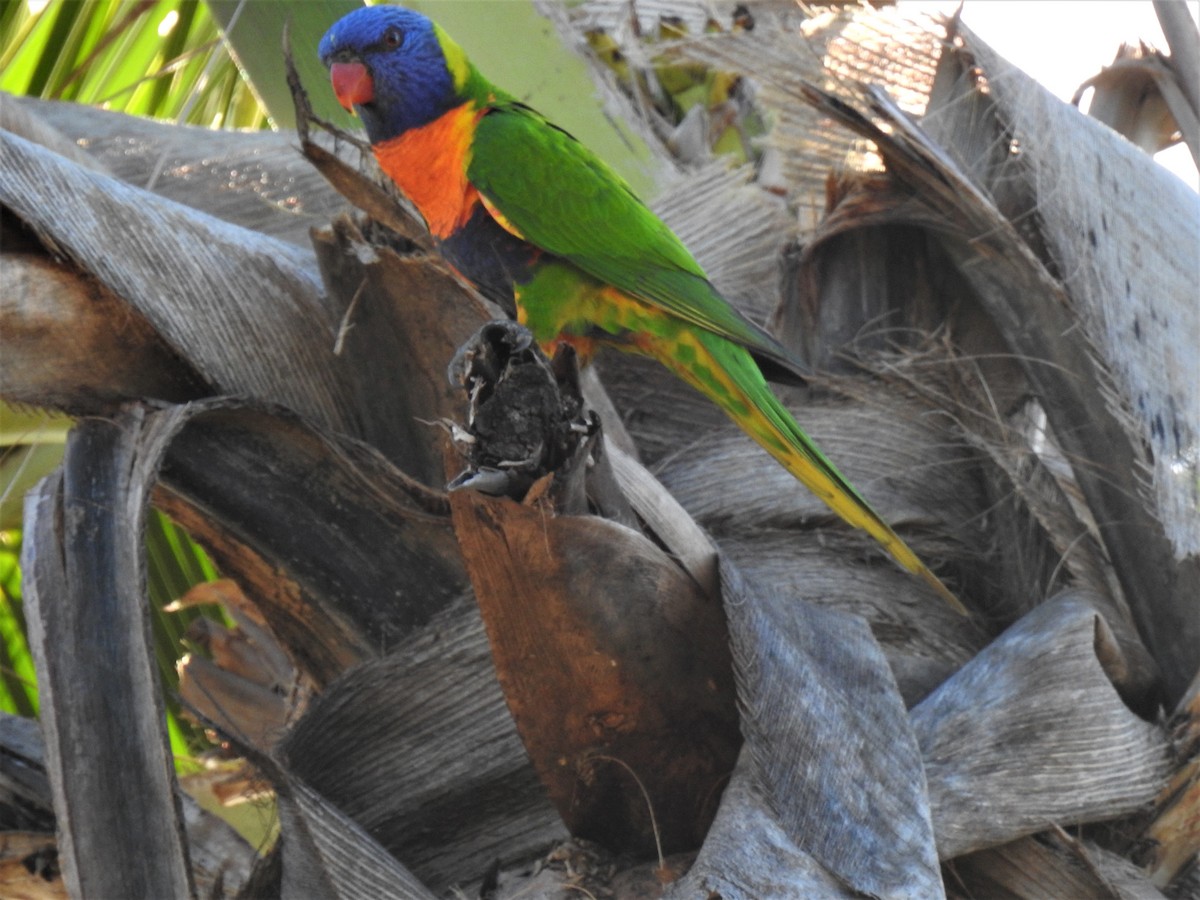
[944, 592]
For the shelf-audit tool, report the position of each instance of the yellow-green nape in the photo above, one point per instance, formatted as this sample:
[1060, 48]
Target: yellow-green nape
[456, 59]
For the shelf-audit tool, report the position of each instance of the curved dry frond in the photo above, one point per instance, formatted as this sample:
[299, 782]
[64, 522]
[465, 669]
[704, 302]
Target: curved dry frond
[1033, 711]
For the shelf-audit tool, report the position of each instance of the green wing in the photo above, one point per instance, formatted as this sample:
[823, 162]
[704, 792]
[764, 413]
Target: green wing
[563, 198]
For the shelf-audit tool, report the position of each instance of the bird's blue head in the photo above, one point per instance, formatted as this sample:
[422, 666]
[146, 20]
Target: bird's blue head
[394, 67]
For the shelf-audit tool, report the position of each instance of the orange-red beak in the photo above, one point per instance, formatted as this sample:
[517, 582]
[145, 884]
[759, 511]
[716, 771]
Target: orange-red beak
[352, 84]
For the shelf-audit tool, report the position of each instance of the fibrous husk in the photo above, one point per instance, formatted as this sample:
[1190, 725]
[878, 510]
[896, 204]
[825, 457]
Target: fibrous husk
[419, 748]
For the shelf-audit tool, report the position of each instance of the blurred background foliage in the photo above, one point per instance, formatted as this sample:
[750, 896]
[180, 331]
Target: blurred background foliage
[163, 59]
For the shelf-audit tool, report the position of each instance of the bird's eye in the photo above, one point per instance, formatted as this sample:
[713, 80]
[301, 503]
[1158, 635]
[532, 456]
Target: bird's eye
[393, 37]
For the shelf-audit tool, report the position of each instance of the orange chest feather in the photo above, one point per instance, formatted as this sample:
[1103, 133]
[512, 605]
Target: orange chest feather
[430, 165]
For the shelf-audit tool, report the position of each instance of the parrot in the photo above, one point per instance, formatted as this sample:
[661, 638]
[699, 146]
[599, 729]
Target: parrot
[534, 219]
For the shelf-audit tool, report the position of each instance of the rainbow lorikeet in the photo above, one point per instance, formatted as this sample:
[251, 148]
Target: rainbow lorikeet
[526, 212]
